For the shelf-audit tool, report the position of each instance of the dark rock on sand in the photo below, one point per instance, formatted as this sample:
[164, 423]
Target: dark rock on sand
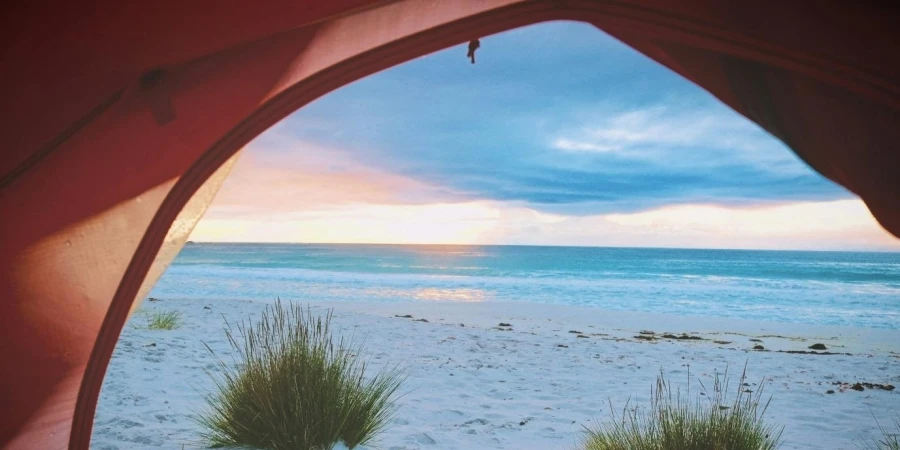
[581, 336]
[818, 347]
[758, 347]
[562, 346]
[862, 385]
[405, 316]
[575, 332]
[504, 324]
[420, 320]
[755, 340]
[207, 307]
[683, 337]
[807, 352]
[830, 391]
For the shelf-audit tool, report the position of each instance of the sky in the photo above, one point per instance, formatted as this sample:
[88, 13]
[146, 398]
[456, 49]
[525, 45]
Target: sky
[558, 135]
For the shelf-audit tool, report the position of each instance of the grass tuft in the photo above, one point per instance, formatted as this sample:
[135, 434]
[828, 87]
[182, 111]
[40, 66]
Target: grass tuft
[888, 441]
[293, 387]
[163, 320]
[675, 422]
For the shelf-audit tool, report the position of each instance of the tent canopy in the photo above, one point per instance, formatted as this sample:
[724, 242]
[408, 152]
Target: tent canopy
[120, 119]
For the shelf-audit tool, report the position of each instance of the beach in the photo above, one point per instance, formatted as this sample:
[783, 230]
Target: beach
[533, 383]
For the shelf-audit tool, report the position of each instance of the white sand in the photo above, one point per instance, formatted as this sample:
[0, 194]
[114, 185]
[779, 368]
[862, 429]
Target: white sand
[477, 387]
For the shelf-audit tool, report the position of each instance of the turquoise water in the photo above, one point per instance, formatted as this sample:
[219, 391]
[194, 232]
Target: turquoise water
[836, 288]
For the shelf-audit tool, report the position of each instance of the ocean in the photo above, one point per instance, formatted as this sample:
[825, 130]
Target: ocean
[830, 288]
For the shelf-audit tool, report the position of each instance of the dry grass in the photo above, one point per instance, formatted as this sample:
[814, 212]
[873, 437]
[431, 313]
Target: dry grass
[889, 440]
[292, 387]
[163, 320]
[673, 422]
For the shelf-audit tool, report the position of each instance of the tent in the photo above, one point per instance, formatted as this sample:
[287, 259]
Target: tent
[121, 118]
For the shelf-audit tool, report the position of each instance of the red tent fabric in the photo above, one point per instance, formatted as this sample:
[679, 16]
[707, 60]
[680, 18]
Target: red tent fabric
[120, 118]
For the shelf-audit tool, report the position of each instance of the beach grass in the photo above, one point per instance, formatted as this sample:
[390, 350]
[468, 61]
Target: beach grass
[293, 386]
[163, 320]
[675, 421]
[889, 440]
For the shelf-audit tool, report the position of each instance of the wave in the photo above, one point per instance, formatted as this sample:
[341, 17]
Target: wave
[855, 290]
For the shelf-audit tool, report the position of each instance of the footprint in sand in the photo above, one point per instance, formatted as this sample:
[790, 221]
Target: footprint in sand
[424, 438]
[475, 422]
[144, 440]
[125, 424]
[108, 447]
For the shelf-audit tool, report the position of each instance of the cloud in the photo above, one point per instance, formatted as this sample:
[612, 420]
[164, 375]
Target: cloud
[436, 223]
[587, 129]
[576, 146]
[662, 125]
[280, 174]
[820, 218]
[839, 225]
[613, 160]
[699, 135]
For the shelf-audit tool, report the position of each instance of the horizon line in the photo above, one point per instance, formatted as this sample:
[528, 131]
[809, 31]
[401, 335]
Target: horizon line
[875, 250]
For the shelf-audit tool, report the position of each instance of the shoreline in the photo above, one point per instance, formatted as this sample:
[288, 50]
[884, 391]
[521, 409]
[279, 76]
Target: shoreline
[783, 336]
[533, 384]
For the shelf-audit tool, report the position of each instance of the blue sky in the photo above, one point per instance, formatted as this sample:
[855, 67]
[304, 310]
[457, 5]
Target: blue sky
[562, 117]
[557, 119]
